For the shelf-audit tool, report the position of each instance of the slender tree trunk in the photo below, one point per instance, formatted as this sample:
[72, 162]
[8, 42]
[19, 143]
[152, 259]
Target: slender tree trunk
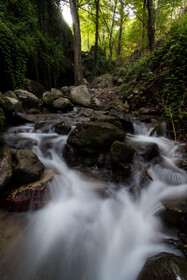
[120, 28]
[143, 37]
[150, 25]
[111, 33]
[77, 43]
[96, 34]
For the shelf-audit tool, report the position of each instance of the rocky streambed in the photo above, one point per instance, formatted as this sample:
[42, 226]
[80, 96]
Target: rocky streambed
[89, 191]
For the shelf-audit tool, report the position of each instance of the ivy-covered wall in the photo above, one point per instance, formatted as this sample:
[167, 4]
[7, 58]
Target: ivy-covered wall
[35, 42]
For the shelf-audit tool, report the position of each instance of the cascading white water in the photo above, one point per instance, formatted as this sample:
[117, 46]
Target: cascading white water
[80, 236]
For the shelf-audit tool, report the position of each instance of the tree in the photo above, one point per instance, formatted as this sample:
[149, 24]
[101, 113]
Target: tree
[150, 24]
[78, 75]
[96, 32]
[122, 15]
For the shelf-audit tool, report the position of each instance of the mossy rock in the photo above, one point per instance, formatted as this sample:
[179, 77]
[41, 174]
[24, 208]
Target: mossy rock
[49, 98]
[121, 152]
[5, 104]
[94, 137]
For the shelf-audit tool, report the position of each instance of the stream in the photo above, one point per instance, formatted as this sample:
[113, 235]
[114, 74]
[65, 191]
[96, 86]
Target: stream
[79, 235]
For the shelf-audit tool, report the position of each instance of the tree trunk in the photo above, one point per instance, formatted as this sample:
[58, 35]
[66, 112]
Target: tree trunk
[150, 25]
[143, 37]
[96, 34]
[78, 76]
[120, 29]
[111, 33]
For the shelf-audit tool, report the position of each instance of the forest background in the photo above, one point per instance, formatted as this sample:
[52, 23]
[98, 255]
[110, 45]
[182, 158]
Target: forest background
[137, 39]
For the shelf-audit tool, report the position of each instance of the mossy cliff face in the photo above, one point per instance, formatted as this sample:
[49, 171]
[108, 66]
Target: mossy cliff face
[35, 42]
[94, 137]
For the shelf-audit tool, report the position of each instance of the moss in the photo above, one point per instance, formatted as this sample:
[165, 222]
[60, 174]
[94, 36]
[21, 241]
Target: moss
[93, 136]
[5, 104]
[50, 98]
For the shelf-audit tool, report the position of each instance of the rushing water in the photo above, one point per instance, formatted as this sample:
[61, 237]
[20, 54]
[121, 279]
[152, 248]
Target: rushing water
[80, 236]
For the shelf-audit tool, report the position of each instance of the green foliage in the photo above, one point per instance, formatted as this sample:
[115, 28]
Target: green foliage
[30, 46]
[102, 66]
[168, 61]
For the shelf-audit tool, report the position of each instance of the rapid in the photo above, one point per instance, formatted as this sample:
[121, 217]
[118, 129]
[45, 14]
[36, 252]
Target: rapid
[78, 235]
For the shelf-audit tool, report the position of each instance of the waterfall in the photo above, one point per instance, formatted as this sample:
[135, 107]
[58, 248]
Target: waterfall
[80, 236]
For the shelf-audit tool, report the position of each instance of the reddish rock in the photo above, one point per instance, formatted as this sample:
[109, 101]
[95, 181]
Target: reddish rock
[31, 196]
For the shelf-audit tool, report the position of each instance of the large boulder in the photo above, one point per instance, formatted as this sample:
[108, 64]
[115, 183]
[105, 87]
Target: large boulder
[164, 266]
[94, 136]
[28, 167]
[121, 152]
[28, 99]
[62, 104]
[30, 196]
[5, 166]
[34, 87]
[80, 95]
[103, 81]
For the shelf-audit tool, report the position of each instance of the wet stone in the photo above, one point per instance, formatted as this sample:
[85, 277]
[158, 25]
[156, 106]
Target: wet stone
[164, 266]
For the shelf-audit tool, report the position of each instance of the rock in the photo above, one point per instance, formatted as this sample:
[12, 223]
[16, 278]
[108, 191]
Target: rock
[103, 81]
[62, 128]
[5, 166]
[125, 119]
[120, 172]
[81, 96]
[164, 266]
[65, 90]
[107, 118]
[27, 166]
[144, 111]
[31, 196]
[159, 129]
[119, 81]
[94, 136]
[28, 99]
[62, 104]
[49, 98]
[96, 101]
[11, 94]
[148, 111]
[56, 91]
[6, 105]
[175, 214]
[70, 155]
[34, 87]
[126, 105]
[17, 104]
[151, 150]
[121, 152]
